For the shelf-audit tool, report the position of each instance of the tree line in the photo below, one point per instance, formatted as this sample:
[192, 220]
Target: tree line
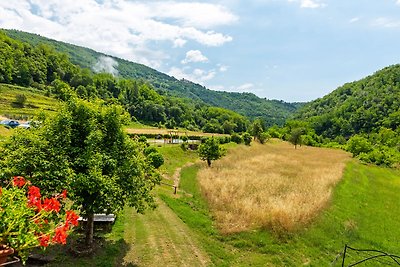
[52, 72]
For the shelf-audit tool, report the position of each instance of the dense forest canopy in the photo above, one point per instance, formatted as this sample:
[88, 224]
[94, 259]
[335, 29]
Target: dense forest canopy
[42, 67]
[358, 107]
[362, 116]
[247, 104]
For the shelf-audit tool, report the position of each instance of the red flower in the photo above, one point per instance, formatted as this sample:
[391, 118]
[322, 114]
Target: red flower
[1, 190]
[44, 240]
[34, 197]
[19, 181]
[34, 191]
[51, 204]
[60, 235]
[64, 194]
[71, 218]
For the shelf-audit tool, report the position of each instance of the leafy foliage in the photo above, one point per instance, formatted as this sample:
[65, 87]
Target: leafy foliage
[364, 112]
[84, 148]
[211, 150]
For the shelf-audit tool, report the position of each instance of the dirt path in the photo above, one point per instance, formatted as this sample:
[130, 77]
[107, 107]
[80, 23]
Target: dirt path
[160, 238]
[177, 175]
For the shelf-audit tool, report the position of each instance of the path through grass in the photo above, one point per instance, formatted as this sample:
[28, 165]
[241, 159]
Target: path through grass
[159, 237]
[362, 213]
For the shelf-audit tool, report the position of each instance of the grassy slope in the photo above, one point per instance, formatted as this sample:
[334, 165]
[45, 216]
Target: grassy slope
[35, 101]
[361, 215]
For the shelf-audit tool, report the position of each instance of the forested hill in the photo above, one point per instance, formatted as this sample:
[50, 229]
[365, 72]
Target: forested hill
[358, 107]
[247, 104]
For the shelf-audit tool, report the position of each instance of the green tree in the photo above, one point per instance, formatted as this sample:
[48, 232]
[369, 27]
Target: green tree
[211, 150]
[247, 138]
[256, 129]
[295, 136]
[84, 149]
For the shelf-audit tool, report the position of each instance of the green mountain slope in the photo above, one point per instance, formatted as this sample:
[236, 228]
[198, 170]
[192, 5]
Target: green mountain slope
[247, 104]
[359, 107]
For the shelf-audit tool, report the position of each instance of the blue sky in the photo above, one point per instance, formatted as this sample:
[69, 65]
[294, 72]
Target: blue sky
[292, 50]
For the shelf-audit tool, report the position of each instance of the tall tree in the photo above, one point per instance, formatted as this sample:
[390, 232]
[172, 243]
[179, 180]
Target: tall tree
[102, 168]
[211, 150]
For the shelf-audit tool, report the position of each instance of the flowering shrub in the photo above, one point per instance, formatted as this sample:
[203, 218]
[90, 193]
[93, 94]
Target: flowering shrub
[29, 220]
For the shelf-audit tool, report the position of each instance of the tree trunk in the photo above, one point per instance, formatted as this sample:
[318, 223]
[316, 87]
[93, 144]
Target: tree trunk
[89, 230]
[209, 162]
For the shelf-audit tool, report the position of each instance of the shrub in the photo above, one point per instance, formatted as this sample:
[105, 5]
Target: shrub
[358, 144]
[264, 137]
[247, 139]
[20, 100]
[155, 159]
[150, 149]
[236, 138]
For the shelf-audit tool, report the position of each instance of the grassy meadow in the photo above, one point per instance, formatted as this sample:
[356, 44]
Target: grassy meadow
[272, 186]
[328, 200]
[360, 211]
[35, 101]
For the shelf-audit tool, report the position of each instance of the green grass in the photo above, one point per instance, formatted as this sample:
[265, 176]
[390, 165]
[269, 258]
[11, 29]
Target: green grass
[36, 100]
[175, 157]
[5, 132]
[363, 214]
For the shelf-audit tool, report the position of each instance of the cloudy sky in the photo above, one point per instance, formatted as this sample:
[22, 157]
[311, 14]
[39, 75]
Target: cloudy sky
[294, 50]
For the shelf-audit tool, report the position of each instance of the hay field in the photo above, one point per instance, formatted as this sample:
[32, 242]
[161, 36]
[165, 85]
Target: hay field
[271, 186]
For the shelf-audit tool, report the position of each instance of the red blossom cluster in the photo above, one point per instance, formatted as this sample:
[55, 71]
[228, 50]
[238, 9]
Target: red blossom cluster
[19, 181]
[49, 205]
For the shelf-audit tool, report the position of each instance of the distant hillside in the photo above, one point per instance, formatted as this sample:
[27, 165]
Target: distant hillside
[247, 104]
[358, 107]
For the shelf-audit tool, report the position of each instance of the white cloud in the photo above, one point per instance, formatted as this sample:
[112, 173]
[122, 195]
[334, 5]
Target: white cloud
[125, 29]
[194, 56]
[179, 42]
[386, 22]
[398, 2]
[222, 68]
[245, 87]
[309, 3]
[197, 75]
[355, 19]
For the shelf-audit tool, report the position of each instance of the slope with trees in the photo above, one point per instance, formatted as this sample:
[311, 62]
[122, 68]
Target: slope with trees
[247, 104]
[52, 72]
[364, 112]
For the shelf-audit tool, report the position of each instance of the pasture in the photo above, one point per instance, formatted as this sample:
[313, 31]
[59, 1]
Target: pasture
[272, 186]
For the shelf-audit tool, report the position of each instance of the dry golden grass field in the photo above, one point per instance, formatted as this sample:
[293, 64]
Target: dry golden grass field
[271, 186]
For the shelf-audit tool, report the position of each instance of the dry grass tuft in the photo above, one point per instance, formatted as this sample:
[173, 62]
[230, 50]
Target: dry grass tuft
[271, 186]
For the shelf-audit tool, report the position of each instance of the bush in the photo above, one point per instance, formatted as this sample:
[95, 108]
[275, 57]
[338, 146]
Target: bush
[155, 159]
[358, 144]
[148, 150]
[247, 139]
[236, 138]
[20, 100]
[264, 137]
